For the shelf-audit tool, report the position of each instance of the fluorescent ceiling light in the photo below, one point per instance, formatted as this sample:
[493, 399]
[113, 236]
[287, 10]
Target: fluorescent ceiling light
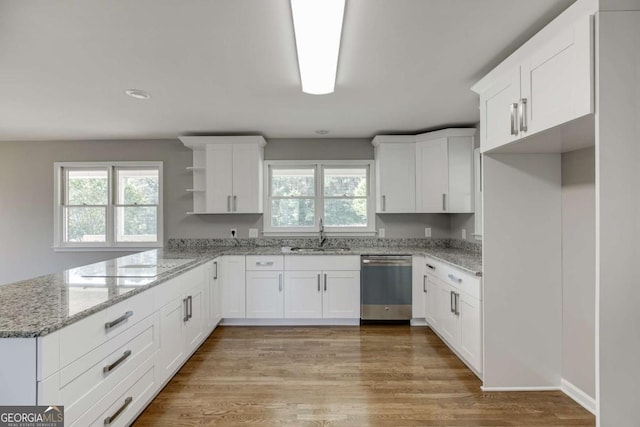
[318, 27]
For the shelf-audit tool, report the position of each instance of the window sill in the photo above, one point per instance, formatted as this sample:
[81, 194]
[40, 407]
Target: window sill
[315, 234]
[105, 248]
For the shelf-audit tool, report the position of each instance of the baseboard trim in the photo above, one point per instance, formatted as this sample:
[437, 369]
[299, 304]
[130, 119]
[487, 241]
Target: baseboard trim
[534, 388]
[290, 322]
[582, 398]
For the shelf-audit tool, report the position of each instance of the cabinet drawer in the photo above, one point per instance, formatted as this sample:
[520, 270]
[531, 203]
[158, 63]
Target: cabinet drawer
[270, 263]
[321, 262]
[85, 335]
[466, 283]
[84, 382]
[124, 401]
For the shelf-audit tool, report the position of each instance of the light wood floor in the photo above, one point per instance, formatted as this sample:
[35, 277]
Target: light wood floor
[349, 376]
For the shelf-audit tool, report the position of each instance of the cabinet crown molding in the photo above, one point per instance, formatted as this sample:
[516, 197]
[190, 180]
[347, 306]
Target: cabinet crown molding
[199, 142]
[385, 139]
[445, 133]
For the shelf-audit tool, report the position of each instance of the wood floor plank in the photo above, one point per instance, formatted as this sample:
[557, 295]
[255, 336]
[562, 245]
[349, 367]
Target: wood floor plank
[342, 376]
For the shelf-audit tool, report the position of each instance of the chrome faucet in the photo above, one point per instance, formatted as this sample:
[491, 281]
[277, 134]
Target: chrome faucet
[321, 238]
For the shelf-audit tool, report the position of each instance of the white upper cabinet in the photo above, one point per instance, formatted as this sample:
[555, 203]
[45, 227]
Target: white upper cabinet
[227, 173]
[395, 173]
[547, 82]
[444, 171]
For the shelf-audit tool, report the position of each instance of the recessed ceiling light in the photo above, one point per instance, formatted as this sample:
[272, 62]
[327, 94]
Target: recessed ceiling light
[322, 132]
[137, 94]
[318, 27]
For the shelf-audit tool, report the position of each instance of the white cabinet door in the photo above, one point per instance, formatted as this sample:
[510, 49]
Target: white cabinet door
[341, 296]
[557, 80]
[302, 294]
[194, 327]
[172, 349]
[432, 176]
[432, 306]
[233, 287]
[460, 193]
[470, 331]
[418, 291]
[265, 294]
[218, 178]
[449, 322]
[247, 178]
[498, 122]
[396, 177]
[216, 293]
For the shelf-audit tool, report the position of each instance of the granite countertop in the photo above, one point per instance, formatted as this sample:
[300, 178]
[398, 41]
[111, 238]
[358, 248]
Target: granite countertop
[39, 306]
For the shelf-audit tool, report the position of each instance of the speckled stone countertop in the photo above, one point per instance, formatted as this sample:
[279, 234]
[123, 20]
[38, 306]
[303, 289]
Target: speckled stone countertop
[39, 306]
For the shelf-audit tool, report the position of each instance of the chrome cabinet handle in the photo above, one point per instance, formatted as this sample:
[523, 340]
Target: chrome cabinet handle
[280, 282]
[215, 276]
[325, 282]
[384, 203]
[451, 301]
[319, 283]
[235, 203]
[115, 364]
[454, 278]
[228, 203]
[523, 115]
[115, 415]
[190, 299]
[444, 202]
[457, 304]
[264, 263]
[119, 320]
[432, 267]
[514, 123]
[185, 303]
[424, 284]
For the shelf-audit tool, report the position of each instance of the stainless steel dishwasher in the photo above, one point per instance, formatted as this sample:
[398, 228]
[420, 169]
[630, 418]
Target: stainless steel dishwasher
[385, 288]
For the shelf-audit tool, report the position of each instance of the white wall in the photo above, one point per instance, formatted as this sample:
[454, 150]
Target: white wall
[618, 216]
[522, 289]
[578, 269]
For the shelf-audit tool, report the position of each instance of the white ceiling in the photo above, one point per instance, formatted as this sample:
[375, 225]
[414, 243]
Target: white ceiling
[229, 66]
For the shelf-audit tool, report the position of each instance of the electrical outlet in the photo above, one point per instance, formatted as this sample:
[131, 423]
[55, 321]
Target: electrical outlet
[234, 232]
[253, 232]
[427, 232]
[464, 234]
[381, 233]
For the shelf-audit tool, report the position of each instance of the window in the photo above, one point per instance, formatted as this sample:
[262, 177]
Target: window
[299, 194]
[108, 205]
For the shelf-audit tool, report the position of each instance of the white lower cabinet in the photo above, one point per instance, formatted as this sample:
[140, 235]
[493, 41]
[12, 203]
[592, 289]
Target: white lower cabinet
[303, 295]
[233, 287]
[322, 295]
[341, 295]
[182, 321]
[329, 293]
[265, 294]
[453, 309]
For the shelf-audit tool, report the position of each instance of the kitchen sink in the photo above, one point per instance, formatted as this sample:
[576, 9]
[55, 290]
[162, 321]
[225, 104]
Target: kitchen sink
[306, 250]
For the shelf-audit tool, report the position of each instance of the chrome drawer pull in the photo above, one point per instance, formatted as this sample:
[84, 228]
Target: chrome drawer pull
[185, 302]
[215, 277]
[424, 284]
[119, 320]
[430, 266]
[319, 283]
[264, 263]
[325, 283]
[116, 414]
[454, 278]
[115, 364]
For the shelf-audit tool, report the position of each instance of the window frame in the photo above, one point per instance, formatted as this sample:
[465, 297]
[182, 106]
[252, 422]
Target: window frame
[319, 167]
[111, 244]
